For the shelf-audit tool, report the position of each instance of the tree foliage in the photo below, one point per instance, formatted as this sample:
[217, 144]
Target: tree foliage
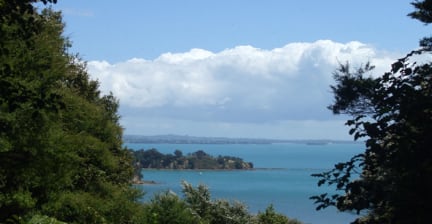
[197, 206]
[390, 181]
[61, 155]
[271, 216]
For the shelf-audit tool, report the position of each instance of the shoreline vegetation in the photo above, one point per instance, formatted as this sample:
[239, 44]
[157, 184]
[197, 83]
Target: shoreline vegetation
[199, 160]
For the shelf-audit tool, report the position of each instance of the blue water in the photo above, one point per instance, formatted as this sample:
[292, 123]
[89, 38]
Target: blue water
[288, 186]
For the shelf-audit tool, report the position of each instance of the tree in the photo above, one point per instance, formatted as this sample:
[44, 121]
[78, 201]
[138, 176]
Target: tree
[390, 181]
[169, 208]
[178, 153]
[61, 154]
[222, 211]
[271, 216]
[214, 211]
[29, 104]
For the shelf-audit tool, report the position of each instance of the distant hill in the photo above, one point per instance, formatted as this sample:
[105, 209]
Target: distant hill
[185, 139]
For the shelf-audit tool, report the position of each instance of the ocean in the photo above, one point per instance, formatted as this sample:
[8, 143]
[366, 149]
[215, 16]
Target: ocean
[282, 176]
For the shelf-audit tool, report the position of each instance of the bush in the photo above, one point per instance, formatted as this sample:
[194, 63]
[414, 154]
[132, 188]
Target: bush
[197, 206]
[270, 216]
[169, 208]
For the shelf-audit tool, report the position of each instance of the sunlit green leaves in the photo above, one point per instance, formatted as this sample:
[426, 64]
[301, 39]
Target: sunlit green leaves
[61, 150]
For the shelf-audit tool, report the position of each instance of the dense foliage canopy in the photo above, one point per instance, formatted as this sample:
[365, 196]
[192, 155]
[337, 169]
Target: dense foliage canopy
[61, 153]
[391, 181]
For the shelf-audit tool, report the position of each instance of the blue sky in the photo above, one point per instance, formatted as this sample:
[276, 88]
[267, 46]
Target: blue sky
[244, 68]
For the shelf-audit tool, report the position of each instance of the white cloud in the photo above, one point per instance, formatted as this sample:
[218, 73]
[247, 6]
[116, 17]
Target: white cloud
[184, 58]
[241, 84]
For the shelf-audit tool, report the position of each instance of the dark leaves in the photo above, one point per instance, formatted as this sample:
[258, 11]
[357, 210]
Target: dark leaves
[397, 65]
[393, 114]
[423, 11]
[353, 91]
[324, 201]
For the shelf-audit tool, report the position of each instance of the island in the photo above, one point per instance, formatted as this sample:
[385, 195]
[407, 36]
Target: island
[153, 159]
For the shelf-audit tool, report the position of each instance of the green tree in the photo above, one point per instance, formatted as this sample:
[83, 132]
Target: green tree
[169, 208]
[390, 181]
[214, 211]
[61, 154]
[29, 105]
[270, 216]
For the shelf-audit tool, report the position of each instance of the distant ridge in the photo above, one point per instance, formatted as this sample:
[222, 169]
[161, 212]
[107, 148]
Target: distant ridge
[186, 139]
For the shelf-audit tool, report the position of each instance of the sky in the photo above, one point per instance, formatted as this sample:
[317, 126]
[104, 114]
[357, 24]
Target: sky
[225, 68]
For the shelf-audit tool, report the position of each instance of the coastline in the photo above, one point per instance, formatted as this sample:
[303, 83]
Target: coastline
[144, 182]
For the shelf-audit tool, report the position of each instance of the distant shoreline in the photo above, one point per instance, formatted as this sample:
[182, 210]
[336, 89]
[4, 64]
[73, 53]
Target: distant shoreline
[228, 170]
[185, 139]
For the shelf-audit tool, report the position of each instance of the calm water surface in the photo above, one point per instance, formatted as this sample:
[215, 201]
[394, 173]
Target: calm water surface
[282, 178]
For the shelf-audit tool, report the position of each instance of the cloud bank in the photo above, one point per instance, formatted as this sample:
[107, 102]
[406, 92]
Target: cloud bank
[240, 87]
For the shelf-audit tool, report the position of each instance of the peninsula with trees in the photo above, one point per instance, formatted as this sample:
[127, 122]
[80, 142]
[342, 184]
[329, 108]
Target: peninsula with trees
[153, 159]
